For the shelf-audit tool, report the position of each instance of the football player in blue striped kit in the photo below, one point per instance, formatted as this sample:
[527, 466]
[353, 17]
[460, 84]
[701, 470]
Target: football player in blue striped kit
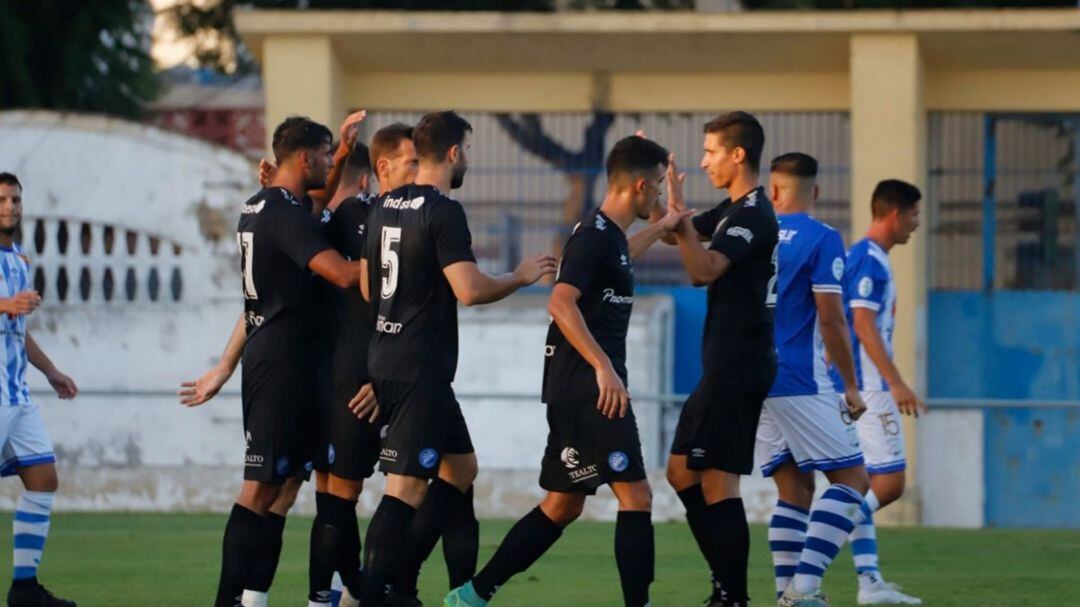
[870, 301]
[805, 425]
[27, 449]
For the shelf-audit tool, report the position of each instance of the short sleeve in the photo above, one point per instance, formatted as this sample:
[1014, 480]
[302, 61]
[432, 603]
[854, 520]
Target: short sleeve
[450, 229]
[865, 283]
[297, 234]
[580, 260]
[827, 271]
[705, 223]
[736, 237]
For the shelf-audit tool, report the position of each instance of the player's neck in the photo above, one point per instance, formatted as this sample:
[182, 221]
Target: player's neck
[880, 235]
[291, 182]
[743, 184]
[619, 211]
[7, 241]
[791, 207]
[438, 176]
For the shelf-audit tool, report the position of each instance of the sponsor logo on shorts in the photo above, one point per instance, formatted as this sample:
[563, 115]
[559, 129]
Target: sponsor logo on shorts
[838, 268]
[611, 297]
[330, 454]
[866, 286]
[570, 458]
[697, 452]
[253, 460]
[384, 326]
[618, 461]
[282, 466]
[583, 474]
[389, 455]
[428, 458]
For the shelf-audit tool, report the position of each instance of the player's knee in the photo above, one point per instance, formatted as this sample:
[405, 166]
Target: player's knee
[459, 470]
[636, 498]
[679, 477]
[562, 508]
[888, 487]
[409, 489]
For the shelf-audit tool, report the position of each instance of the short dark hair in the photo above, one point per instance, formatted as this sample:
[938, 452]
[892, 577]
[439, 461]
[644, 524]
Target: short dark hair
[893, 194]
[387, 140]
[437, 132]
[633, 155]
[358, 163]
[795, 164]
[299, 133]
[740, 130]
[10, 179]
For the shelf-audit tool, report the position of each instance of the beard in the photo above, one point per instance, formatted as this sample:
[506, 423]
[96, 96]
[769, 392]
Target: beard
[11, 230]
[458, 177]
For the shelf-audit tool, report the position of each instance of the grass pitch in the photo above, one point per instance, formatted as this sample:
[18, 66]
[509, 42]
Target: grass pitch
[156, 559]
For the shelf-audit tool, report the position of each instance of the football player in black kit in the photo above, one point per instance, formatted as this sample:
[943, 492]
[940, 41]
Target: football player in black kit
[714, 441]
[418, 265]
[281, 247]
[349, 448]
[593, 436]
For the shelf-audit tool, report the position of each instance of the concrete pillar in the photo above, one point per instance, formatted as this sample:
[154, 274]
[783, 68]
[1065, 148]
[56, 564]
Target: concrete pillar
[888, 140]
[302, 76]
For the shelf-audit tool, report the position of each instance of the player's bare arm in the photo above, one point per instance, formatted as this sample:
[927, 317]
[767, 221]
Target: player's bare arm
[662, 228]
[364, 287]
[199, 391]
[564, 310]
[21, 304]
[834, 332]
[472, 286]
[347, 134]
[65, 386]
[702, 265]
[866, 330]
[335, 269]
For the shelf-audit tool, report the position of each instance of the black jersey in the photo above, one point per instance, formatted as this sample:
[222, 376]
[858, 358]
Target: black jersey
[349, 314]
[278, 237]
[413, 233]
[596, 260]
[739, 323]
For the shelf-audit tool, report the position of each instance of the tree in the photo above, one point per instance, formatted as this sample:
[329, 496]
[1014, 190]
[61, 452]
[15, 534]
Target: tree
[67, 55]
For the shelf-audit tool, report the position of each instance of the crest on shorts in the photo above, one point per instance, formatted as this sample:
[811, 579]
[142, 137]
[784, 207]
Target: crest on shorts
[281, 467]
[428, 458]
[570, 457]
[330, 454]
[618, 461]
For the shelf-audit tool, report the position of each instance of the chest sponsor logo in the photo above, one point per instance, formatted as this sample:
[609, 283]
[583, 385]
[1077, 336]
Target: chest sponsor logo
[611, 297]
[787, 236]
[384, 326]
[404, 204]
[252, 209]
[741, 232]
[838, 268]
[866, 287]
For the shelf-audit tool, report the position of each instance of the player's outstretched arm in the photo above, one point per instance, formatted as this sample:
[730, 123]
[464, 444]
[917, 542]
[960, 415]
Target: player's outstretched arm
[865, 326]
[662, 228]
[65, 386]
[335, 269]
[474, 287]
[347, 133]
[199, 391]
[563, 308]
[834, 332]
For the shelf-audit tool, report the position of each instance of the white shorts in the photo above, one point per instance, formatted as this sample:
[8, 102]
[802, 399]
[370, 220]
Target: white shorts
[881, 432]
[25, 441]
[814, 431]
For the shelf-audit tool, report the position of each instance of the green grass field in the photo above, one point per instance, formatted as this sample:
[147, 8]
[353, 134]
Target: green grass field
[146, 559]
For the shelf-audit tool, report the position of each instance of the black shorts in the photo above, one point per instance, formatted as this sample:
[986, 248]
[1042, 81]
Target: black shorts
[281, 419]
[586, 450]
[718, 425]
[349, 447]
[424, 422]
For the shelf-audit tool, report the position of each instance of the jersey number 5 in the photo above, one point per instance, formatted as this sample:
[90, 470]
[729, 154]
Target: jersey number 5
[246, 241]
[390, 236]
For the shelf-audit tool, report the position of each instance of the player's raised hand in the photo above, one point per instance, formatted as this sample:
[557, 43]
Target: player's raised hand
[614, 399]
[536, 267]
[364, 405]
[675, 181]
[22, 303]
[855, 405]
[195, 393]
[350, 128]
[65, 386]
[267, 169]
[907, 401]
[672, 219]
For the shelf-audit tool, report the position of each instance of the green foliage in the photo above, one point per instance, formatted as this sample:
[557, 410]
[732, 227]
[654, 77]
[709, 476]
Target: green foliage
[67, 55]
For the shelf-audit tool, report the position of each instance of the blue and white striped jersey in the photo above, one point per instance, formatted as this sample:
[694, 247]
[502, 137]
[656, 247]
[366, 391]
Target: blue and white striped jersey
[868, 283]
[810, 259]
[14, 278]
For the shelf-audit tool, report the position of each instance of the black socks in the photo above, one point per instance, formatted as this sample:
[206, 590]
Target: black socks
[635, 555]
[385, 549]
[526, 542]
[238, 549]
